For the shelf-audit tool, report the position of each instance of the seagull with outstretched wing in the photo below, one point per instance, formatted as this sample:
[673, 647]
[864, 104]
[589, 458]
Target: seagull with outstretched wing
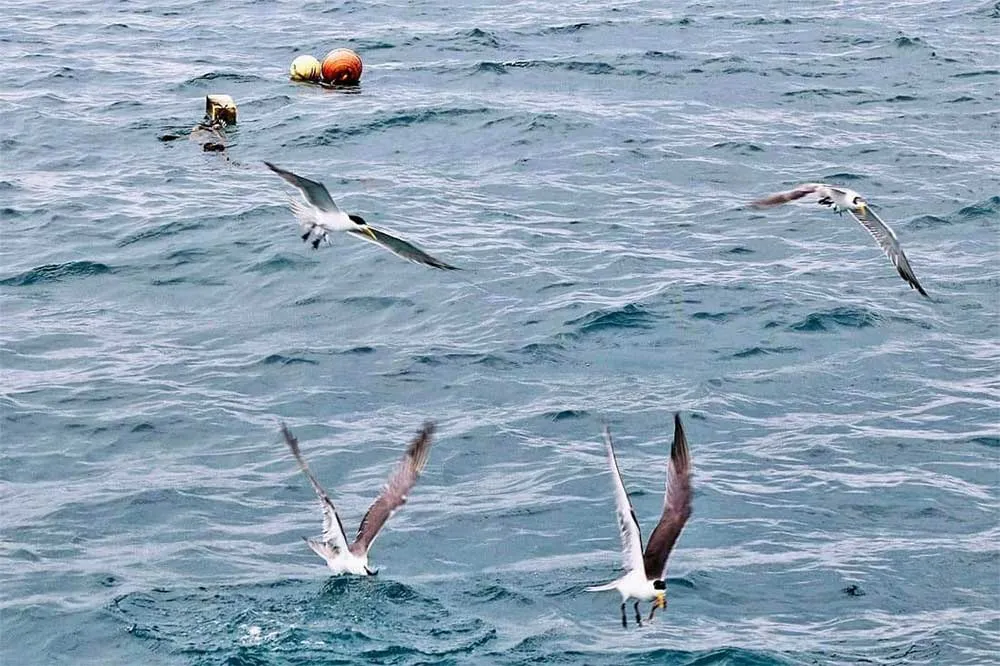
[340, 556]
[645, 572]
[842, 199]
[318, 215]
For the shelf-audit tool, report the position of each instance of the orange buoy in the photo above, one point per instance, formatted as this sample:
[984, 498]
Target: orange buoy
[342, 66]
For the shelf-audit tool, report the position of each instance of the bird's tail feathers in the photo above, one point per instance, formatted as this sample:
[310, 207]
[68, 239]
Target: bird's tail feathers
[305, 214]
[601, 588]
[322, 548]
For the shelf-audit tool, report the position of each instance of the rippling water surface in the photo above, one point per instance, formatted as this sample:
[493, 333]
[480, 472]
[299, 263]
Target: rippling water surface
[589, 167]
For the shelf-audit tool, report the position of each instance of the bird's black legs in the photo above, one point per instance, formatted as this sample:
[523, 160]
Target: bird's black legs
[316, 243]
[638, 618]
[652, 611]
[624, 620]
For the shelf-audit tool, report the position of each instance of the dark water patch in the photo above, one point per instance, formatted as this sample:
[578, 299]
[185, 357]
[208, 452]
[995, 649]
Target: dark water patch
[161, 231]
[342, 621]
[629, 317]
[713, 316]
[492, 593]
[567, 414]
[552, 352]
[728, 656]
[377, 303]
[904, 42]
[738, 147]
[985, 440]
[565, 29]
[976, 74]
[363, 349]
[63, 73]
[581, 66]
[221, 78]
[853, 591]
[57, 273]
[750, 352]
[663, 55]
[276, 264]
[760, 20]
[739, 250]
[335, 135]
[281, 359]
[928, 222]
[961, 99]
[481, 37]
[842, 176]
[488, 360]
[486, 67]
[200, 282]
[825, 92]
[846, 317]
[988, 208]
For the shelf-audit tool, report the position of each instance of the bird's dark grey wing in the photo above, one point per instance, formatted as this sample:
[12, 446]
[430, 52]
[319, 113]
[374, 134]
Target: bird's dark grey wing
[788, 195]
[333, 529]
[313, 192]
[676, 506]
[400, 247]
[628, 525]
[886, 239]
[396, 489]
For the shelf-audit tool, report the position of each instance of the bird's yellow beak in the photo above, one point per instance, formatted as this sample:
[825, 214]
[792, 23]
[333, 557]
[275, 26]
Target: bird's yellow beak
[661, 600]
[863, 209]
[370, 233]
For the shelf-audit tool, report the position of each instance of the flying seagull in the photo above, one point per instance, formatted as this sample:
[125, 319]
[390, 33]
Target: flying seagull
[333, 546]
[841, 199]
[320, 215]
[644, 578]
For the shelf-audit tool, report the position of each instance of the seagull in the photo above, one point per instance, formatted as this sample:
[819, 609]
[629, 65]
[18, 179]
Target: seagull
[645, 572]
[333, 547]
[842, 199]
[320, 215]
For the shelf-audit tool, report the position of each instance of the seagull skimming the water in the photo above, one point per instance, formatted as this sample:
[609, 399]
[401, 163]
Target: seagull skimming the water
[320, 215]
[340, 556]
[842, 199]
[645, 573]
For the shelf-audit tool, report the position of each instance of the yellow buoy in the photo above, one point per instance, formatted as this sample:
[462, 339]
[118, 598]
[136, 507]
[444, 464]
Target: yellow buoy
[220, 109]
[305, 68]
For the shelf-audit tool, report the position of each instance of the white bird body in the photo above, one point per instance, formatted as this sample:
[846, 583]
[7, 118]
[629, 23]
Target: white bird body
[341, 557]
[645, 572]
[318, 215]
[633, 585]
[846, 200]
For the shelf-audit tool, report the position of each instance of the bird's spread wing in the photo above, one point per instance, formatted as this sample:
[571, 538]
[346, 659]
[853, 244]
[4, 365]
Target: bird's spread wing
[628, 525]
[789, 195]
[333, 529]
[394, 494]
[676, 506]
[314, 193]
[886, 239]
[400, 247]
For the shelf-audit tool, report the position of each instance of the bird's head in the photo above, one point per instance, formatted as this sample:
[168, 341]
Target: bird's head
[859, 204]
[358, 220]
[661, 594]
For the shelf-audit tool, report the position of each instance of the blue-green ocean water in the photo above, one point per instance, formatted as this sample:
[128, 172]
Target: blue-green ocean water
[589, 166]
